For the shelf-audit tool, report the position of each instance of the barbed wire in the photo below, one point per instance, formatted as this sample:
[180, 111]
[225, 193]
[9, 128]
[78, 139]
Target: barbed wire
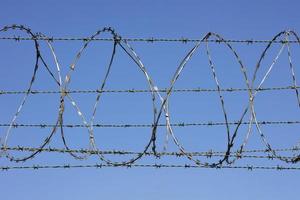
[148, 40]
[207, 154]
[2, 92]
[158, 166]
[181, 124]
[160, 109]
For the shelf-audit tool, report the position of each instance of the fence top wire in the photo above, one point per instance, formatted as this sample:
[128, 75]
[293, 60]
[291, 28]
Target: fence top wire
[148, 40]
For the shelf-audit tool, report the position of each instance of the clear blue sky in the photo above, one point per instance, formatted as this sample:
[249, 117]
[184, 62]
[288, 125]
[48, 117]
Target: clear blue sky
[144, 19]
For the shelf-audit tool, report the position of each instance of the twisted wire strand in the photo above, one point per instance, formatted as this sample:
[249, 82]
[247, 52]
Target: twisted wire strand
[149, 40]
[157, 166]
[207, 154]
[181, 124]
[10, 92]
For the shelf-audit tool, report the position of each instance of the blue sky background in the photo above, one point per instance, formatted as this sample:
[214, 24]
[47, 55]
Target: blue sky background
[144, 19]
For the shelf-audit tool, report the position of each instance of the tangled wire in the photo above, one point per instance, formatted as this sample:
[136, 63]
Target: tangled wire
[248, 116]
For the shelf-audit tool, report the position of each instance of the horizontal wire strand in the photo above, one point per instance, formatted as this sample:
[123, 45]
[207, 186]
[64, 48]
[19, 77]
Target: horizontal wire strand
[158, 166]
[207, 154]
[149, 40]
[3, 92]
[181, 124]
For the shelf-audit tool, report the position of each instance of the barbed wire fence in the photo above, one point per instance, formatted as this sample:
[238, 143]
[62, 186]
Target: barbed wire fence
[228, 157]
